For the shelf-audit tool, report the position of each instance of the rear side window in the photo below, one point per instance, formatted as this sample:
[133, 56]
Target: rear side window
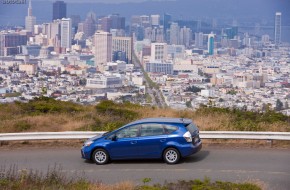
[191, 128]
[168, 129]
[151, 129]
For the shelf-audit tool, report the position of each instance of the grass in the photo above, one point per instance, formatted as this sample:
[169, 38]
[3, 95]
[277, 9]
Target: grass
[47, 114]
[54, 178]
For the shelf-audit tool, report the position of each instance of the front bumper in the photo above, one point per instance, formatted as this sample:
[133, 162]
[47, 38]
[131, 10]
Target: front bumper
[86, 153]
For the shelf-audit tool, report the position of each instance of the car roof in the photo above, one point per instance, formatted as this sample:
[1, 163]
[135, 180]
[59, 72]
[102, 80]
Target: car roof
[162, 120]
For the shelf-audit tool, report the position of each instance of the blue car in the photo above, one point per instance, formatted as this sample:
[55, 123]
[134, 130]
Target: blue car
[167, 138]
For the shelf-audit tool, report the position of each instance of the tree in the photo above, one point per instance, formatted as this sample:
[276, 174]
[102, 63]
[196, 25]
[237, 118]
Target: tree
[279, 105]
[193, 89]
[188, 104]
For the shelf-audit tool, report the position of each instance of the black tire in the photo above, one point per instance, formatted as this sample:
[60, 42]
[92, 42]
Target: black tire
[171, 156]
[100, 156]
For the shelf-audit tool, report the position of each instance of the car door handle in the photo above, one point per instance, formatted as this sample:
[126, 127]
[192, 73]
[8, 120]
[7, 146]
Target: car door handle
[162, 140]
[133, 142]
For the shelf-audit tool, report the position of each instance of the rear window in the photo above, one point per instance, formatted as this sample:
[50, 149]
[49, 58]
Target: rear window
[191, 128]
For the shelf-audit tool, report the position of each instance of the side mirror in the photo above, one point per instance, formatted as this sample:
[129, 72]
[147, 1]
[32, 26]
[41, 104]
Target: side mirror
[114, 138]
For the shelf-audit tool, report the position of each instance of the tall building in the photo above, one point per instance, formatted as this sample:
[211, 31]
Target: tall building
[117, 22]
[210, 44]
[66, 33]
[103, 49]
[30, 20]
[123, 44]
[145, 20]
[199, 40]
[166, 25]
[185, 36]
[278, 31]
[155, 20]
[10, 43]
[166, 21]
[89, 25]
[105, 24]
[174, 33]
[159, 51]
[59, 10]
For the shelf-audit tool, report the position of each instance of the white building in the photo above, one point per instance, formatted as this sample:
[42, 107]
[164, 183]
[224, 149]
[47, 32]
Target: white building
[103, 49]
[199, 40]
[159, 67]
[124, 44]
[159, 51]
[66, 33]
[102, 81]
[155, 20]
[174, 34]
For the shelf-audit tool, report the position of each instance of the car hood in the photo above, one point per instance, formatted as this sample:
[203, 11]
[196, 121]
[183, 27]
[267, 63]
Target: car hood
[95, 138]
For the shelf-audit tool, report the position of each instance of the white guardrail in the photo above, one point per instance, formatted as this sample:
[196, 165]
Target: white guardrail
[86, 135]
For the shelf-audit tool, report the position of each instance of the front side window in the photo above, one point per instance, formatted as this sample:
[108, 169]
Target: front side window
[151, 129]
[128, 132]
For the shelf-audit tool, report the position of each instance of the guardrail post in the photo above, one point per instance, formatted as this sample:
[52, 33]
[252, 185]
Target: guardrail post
[271, 142]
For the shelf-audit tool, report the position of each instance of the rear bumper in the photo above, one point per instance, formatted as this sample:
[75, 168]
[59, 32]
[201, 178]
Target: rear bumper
[190, 149]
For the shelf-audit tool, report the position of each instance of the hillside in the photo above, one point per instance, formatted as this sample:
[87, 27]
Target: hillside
[46, 114]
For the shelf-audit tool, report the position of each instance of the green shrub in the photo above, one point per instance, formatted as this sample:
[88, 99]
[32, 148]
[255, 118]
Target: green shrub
[22, 125]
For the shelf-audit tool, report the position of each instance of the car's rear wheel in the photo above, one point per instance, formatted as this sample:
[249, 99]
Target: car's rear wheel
[171, 156]
[100, 156]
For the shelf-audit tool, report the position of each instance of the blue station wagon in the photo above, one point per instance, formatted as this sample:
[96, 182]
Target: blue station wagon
[169, 139]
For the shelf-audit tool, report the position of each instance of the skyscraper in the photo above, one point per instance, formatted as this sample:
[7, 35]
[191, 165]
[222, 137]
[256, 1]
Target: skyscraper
[105, 24]
[199, 40]
[278, 28]
[185, 36]
[210, 44]
[103, 49]
[66, 33]
[59, 10]
[166, 25]
[155, 20]
[30, 20]
[174, 33]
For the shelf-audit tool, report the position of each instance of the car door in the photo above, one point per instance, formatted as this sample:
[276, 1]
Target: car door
[125, 145]
[152, 140]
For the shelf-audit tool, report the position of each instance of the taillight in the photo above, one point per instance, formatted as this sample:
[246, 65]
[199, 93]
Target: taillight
[187, 136]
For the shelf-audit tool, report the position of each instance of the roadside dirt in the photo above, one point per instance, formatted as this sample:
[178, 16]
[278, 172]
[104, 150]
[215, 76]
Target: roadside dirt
[45, 144]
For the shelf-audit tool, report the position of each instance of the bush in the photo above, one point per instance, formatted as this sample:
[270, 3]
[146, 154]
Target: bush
[22, 125]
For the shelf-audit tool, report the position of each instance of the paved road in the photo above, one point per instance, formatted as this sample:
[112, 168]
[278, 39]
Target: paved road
[267, 165]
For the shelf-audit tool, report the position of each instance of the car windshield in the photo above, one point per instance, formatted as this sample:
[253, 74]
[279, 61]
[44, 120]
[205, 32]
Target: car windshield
[191, 128]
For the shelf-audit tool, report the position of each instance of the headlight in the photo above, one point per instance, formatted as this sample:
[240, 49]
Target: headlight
[88, 143]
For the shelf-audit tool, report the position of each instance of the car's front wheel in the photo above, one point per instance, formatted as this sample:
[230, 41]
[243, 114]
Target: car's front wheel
[100, 156]
[171, 156]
